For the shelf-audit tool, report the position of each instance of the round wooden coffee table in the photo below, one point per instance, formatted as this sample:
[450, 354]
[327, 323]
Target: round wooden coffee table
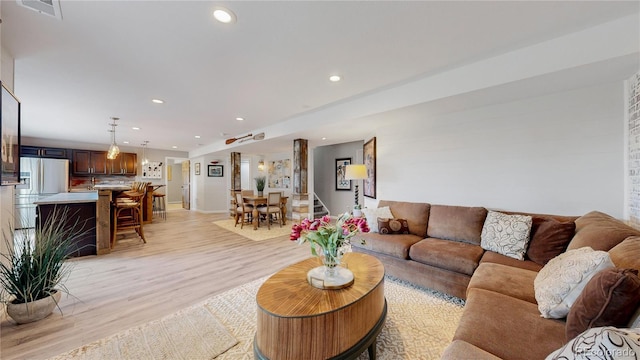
[299, 321]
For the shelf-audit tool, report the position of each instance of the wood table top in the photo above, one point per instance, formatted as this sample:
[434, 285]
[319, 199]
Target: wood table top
[288, 294]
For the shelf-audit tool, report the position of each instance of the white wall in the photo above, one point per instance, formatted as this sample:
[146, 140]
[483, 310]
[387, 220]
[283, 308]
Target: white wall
[561, 153]
[338, 201]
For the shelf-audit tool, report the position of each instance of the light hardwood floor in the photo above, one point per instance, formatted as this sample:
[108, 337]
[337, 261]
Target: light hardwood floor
[186, 260]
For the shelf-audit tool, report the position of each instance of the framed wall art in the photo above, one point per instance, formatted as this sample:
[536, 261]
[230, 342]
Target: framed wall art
[341, 170]
[197, 168]
[279, 172]
[215, 171]
[369, 157]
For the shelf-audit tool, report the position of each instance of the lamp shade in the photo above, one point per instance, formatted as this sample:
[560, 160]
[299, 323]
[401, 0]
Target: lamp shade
[355, 172]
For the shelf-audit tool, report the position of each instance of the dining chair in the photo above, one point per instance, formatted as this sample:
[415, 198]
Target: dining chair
[273, 209]
[241, 210]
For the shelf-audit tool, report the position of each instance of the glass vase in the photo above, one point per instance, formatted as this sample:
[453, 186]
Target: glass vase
[331, 259]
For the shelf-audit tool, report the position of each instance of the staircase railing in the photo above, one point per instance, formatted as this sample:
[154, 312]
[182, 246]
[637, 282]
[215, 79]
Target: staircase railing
[324, 207]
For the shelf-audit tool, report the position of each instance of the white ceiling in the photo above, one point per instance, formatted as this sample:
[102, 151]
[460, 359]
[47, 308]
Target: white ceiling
[110, 58]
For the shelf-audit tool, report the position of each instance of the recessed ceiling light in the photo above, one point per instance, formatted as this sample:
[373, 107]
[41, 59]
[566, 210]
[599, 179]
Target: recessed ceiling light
[324, 138]
[125, 142]
[224, 15]
[157, 101]
[135, 128]
[174, 147]
[239, 118]
[334, 78]
[197, 136]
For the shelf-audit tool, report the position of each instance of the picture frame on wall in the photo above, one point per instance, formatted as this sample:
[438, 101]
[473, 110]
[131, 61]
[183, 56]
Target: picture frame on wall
[215, 171]
[341, 168]
[197, 168]
[369, 158]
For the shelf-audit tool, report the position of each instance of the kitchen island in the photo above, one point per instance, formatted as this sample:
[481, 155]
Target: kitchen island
[82, 211]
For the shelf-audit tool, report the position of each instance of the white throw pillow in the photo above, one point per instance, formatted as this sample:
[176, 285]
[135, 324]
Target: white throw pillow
[601, 343]
[372, 216]
[506, 234]
[560, 282]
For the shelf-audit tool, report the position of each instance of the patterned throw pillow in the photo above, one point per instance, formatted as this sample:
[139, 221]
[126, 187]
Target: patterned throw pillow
[601, 343]
[372, 216]
[393, 226]
[506, 234]
[560, 282]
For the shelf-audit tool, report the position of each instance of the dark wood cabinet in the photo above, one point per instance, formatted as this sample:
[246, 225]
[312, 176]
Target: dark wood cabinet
[124, 164]
[86, 162]
[81, 217]
[44, 152]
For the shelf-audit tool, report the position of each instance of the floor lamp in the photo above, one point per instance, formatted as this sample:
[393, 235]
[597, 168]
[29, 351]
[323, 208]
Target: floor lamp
[356, 172]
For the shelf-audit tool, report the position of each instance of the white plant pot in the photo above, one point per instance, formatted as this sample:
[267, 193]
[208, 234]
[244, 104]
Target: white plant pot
[33, 311]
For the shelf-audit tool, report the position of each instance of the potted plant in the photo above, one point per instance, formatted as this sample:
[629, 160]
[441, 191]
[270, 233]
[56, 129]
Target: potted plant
[33, 272]
[260, 182]
[357, 211]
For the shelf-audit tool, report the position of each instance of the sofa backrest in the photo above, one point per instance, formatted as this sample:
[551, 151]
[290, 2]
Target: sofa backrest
[600, 232]
[416, 214]
[459, 223]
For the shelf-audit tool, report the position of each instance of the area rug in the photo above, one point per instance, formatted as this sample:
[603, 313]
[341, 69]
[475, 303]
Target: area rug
[420, 322]
[256, 235]
[193, 333]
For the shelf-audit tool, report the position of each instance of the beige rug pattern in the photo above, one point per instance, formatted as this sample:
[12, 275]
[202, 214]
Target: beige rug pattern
[262, 233]
[192, 333]
[420, 322]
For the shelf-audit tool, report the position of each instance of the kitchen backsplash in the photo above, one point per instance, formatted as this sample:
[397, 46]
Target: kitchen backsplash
[84, 182]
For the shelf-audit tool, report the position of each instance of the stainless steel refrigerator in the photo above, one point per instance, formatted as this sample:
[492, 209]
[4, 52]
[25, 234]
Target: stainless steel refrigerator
[39, 178]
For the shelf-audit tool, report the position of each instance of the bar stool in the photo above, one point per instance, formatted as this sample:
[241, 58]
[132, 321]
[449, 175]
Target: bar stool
[127, 215]
[159, 205]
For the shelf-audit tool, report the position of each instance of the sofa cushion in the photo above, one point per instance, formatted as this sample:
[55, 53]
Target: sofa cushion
[627, 253]
[507, 327]
[416, 214]
[600, 231]
[458, 223]
[634, 322]
[601, 343]
[549, 238]
[446, 254]
[494, 257]
[506, 234]
[393, 226]
[609, 299]
[503, 279]
[561, 281]
[459, 349]
[372, 215]
[393, 245]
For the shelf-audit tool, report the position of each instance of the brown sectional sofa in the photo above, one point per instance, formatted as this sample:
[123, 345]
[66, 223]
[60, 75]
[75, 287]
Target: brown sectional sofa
[501, 319]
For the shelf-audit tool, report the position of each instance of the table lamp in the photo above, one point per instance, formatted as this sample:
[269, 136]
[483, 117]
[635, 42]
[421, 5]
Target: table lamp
[356, 172]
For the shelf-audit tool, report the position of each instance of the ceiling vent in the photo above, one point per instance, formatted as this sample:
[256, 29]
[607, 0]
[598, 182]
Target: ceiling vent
[47, 7]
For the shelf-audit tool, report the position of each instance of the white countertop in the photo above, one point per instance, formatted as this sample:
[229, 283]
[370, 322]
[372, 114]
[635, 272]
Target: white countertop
[69, 198]
[112, 187]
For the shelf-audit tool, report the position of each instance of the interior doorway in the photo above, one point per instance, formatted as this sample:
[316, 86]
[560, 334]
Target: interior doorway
[173, 182]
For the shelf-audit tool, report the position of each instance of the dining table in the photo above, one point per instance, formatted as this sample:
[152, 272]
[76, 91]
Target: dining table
[257, 200]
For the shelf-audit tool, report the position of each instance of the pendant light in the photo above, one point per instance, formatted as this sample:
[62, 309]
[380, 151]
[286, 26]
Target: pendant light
[114, 150]
[145, 161]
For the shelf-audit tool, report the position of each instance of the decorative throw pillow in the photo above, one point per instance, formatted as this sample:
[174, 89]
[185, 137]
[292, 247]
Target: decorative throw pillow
[549, 238]
[560, 282]
[601, 343]
[506, 234]
[393, 226]
[372, 216]
[609, 299]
